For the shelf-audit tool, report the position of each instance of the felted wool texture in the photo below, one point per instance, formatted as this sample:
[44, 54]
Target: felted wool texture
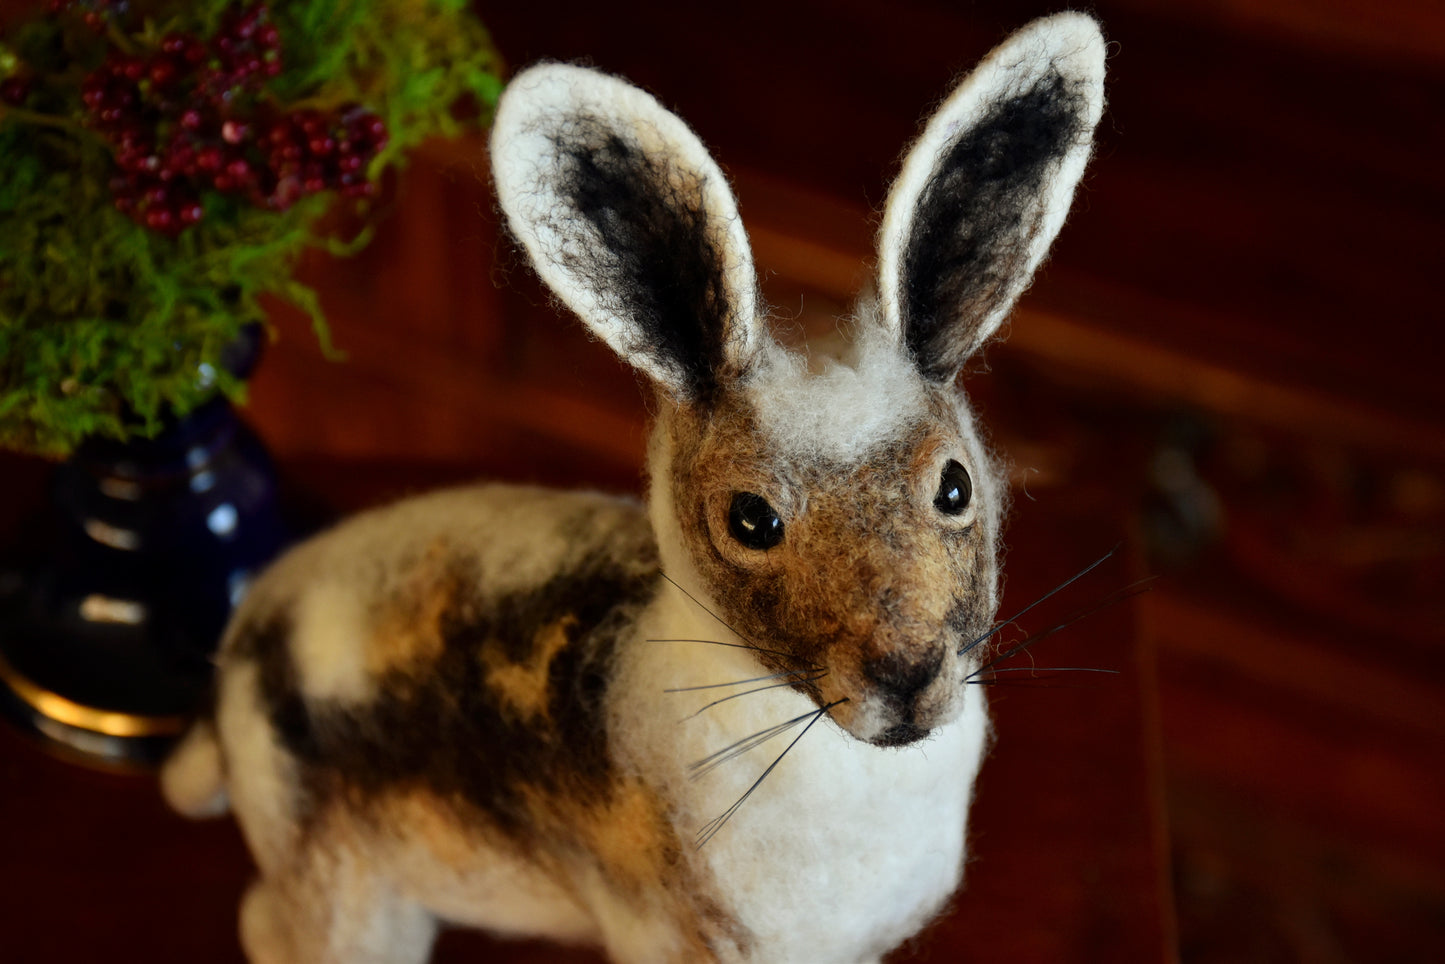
[194, 781]
[261, 779]
[836, 407]
[845, 849]
[335, 585]
[825, 861]
[984, 191]
[466, 634]
[480, 705]
[629, 221]
[990, 481]
[363, 921]
[380, 561]
[872, 580]
[803, 862]
[465, 879]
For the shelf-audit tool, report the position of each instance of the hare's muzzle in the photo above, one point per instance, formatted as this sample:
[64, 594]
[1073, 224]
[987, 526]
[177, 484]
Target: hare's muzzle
[900, 680]
[900, 734]
[899, 696]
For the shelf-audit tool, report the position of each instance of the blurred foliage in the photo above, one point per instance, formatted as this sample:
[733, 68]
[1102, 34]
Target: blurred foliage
[108, 327]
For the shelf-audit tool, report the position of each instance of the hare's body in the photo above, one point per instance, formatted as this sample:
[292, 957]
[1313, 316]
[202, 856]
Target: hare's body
[731, 725]
[541, 792]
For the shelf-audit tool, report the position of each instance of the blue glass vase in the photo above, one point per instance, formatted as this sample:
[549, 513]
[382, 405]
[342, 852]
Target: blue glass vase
[107, 631]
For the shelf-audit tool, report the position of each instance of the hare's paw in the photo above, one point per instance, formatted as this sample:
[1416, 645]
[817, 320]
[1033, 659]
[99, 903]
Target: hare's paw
[343, 920]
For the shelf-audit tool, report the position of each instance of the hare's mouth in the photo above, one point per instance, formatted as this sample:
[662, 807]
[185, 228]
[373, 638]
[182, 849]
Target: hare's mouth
[882, 717]
[894, 724]
[900, 734]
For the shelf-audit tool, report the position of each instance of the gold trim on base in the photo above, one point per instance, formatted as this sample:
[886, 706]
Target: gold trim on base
[53, 706]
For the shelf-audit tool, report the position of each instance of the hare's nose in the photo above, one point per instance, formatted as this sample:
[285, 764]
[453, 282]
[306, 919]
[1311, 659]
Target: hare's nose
[904, 677]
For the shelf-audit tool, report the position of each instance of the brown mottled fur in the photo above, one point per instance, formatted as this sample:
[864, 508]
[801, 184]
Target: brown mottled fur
[523, 687]
[404, 623]
[385, 784]
[868, 571]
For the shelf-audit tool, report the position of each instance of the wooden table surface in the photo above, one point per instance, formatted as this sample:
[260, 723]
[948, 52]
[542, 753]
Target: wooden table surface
[1068, 857]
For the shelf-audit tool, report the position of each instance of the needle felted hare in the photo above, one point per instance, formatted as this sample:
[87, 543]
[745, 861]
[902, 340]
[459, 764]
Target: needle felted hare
[544, 713]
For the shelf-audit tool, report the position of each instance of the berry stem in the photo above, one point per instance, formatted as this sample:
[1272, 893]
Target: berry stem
[24, 116]
[119, 38]
[317, 102]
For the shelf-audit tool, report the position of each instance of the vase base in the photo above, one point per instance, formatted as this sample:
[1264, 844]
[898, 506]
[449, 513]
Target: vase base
[110, 737]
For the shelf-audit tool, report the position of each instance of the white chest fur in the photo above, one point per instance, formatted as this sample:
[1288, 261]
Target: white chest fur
[845, 849]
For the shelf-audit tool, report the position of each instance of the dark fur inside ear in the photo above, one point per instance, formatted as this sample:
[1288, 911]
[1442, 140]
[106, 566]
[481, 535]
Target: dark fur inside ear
[969, 242]
[657, 260]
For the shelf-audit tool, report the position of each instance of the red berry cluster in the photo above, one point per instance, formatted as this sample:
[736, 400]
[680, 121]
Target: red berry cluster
[193, 117]
[95, 14]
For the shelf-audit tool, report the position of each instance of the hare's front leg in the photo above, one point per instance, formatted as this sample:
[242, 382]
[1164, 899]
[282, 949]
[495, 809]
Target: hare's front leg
[336, 918]
[636, 935]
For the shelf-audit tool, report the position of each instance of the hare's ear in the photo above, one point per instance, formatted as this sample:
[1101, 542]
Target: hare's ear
[629, 220]
[986, 188]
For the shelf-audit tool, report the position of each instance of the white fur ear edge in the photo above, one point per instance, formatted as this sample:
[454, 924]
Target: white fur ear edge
[1070, 43]
[522, 148]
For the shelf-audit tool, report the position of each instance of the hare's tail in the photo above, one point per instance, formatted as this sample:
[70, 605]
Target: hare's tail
[194, 778]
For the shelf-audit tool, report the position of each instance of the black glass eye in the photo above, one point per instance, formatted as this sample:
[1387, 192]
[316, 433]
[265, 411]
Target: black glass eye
[753, 522]
[954, 490]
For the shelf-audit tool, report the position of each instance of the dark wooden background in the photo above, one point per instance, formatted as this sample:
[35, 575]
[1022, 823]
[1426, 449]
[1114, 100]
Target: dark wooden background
[1236, 346]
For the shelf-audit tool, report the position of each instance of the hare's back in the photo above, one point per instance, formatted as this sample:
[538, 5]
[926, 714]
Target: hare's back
[458, 645]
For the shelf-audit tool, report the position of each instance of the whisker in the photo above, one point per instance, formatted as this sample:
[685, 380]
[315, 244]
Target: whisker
[746, 643]
[1053, 669]
[719, 642]
[699, 605]
[738, 748]
[770, 686]
[711, 828]
[1032, 682]
[1034, 677]
[1133, 589]
[1061, 586]
[715, 686]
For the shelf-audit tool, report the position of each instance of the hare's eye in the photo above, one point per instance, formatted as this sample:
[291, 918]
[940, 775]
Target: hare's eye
[753, 522]
[954, 490]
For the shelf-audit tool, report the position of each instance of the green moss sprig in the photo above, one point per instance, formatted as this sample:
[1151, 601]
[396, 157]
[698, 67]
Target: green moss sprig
[112, 317]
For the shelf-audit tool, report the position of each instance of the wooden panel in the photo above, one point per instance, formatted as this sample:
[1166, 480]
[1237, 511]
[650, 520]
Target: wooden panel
[1250, 204]
[1287, 191]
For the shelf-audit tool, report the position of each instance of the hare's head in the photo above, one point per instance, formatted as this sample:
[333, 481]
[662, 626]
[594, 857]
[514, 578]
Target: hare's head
[839, 512]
